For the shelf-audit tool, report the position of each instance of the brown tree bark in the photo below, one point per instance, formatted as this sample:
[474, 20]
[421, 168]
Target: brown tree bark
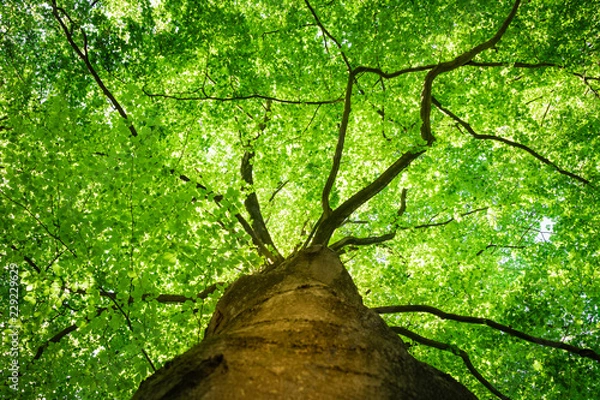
[298, 331]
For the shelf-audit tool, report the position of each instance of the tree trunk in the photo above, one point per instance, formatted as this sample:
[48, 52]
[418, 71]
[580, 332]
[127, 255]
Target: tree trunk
[298, 331]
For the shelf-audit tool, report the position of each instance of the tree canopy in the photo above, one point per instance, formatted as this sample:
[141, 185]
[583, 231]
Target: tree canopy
[449, 150]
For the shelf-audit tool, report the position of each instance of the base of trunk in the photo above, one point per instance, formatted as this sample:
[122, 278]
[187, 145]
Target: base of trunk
[298, 331]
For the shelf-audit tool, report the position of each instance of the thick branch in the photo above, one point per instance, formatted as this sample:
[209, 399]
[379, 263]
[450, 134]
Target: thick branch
[354, 241]
[452, 65]
[471, 131]
[336, 218]
[454, 350]
[330, 221]
[83, 54]
[253, 208]
[588, 353]
[251, 202]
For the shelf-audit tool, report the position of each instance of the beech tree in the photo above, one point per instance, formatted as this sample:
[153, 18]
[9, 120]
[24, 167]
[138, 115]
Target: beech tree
[391, 199]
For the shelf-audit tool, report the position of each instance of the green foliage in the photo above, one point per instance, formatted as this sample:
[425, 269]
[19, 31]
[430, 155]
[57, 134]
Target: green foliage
[88, 211]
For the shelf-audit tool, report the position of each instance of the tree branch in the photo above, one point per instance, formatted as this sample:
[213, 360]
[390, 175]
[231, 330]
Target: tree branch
[337, 158]
[452, 65]
[354, 241]
[330, 221]
[253, 208]
[241, 98]
[454, 350]
[496, 246]
[515, 64]
[162, 298]
[351, 240]
[277, 190]
[217, 198]
[329, 35]
[130, 326]
[32, 215]
[588, 353]
[471, 131]
[251, 202]
[328, 225]
[85, 58]
[57, 338]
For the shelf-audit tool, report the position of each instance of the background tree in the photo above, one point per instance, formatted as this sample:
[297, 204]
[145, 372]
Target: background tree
[146, 146]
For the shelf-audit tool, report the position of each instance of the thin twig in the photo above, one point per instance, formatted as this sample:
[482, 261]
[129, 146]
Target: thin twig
[130, 326]
[52, 235]
[205, 97]
[329, 35]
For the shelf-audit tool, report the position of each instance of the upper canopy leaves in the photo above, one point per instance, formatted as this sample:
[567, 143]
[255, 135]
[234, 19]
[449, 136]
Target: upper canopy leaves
[101, 220]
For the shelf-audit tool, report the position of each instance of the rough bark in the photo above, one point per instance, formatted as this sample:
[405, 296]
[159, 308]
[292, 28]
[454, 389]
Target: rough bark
[298, 331]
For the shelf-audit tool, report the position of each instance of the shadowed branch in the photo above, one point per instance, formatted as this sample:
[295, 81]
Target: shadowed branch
[452, 65]
[329, 35]
[472, 132]
[162, 298]
[454, 350]
[587, 353]
[252, 204]
[83, 54]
